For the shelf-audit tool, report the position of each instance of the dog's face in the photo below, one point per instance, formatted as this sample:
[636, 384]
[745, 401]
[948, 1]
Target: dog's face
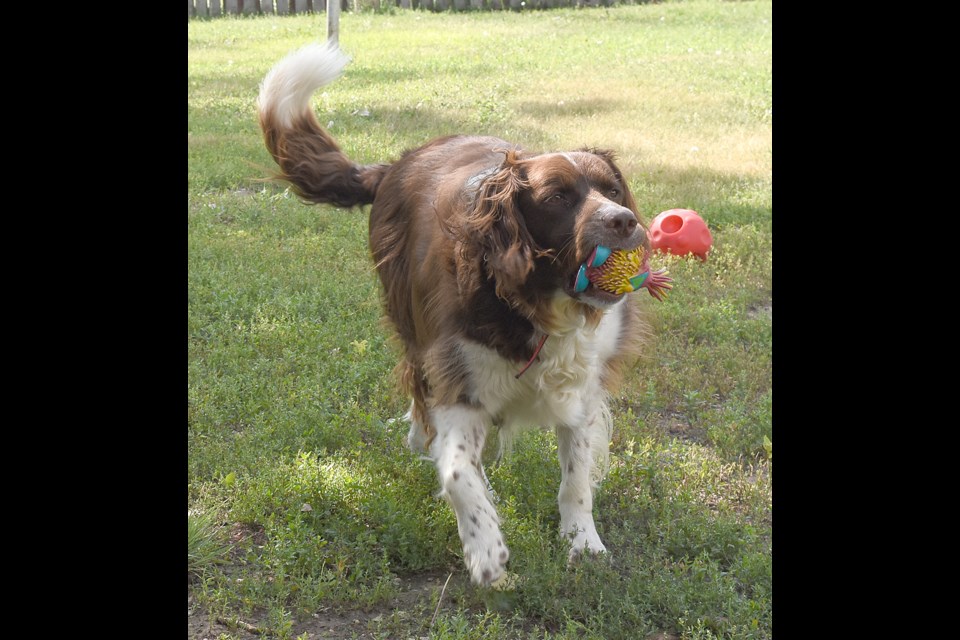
[555, 209]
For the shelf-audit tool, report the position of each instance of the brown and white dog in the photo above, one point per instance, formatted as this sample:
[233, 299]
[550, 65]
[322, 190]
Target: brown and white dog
[477, 244]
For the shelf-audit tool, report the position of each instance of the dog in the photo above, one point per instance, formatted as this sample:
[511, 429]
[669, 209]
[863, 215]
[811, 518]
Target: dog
[477, 244]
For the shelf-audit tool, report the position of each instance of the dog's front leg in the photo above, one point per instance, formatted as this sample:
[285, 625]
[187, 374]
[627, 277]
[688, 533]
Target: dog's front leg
[456, 450]
[575, 446]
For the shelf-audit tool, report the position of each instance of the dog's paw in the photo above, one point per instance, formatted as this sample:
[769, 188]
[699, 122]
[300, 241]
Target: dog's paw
[486, 559]
[418, 439]
[576, 553]
[584, 543]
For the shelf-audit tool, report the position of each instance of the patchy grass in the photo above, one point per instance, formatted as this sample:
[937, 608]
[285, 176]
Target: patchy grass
[319, 522]
[205, 545]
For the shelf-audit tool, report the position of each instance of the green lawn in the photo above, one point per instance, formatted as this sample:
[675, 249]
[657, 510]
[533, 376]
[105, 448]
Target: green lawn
[308, 516]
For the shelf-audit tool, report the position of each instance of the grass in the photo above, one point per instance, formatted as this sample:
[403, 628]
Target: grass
[205, 548]
[320, 523]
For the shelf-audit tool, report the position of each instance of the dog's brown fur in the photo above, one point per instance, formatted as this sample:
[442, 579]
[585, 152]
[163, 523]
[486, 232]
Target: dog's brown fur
[476, 242]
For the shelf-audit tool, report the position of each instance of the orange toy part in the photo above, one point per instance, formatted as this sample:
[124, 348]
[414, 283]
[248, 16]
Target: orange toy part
[680, 232]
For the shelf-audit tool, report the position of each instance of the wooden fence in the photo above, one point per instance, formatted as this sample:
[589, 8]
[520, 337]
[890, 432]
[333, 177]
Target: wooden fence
[213, 8]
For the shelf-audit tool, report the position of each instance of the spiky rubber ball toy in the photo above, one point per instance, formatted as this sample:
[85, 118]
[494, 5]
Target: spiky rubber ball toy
[620, 272]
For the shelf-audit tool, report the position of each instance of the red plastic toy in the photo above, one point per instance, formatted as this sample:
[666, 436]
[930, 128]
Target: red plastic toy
[680, 232]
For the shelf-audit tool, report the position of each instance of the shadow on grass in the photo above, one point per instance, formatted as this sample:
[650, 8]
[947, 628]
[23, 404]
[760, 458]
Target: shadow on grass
[568, 108]
[723, 199]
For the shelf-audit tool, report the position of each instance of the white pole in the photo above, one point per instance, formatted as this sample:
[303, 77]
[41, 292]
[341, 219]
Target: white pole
[333, 21]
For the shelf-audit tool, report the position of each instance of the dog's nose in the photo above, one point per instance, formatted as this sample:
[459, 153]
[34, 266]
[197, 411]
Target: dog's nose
[622, 222]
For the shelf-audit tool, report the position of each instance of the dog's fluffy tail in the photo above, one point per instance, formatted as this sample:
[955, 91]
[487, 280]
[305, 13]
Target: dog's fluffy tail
[308, 157]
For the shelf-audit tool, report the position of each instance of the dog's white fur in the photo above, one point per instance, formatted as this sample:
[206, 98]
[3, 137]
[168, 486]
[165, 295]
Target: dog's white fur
[289, 85]
[562, 392]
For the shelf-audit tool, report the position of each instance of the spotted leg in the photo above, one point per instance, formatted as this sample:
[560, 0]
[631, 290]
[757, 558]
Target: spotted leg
[577, 449]
[456, 450]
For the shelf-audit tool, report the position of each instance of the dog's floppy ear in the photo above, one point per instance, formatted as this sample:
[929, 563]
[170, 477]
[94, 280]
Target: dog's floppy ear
[494, 229]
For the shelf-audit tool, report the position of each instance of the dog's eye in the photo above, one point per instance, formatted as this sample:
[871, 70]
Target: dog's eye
[557, 198]
[614, 194]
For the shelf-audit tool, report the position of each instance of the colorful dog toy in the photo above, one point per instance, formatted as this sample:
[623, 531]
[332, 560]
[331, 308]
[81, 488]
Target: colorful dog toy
[680, 232]
[620, 272]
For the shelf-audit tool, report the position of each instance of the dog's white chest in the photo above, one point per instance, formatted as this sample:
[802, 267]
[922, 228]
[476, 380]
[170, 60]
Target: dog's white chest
[559, 388]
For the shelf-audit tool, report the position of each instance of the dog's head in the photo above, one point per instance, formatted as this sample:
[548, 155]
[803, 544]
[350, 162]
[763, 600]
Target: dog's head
[538, 218]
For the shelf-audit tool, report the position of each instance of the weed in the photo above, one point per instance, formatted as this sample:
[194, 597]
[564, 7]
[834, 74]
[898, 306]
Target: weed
[205, 547]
